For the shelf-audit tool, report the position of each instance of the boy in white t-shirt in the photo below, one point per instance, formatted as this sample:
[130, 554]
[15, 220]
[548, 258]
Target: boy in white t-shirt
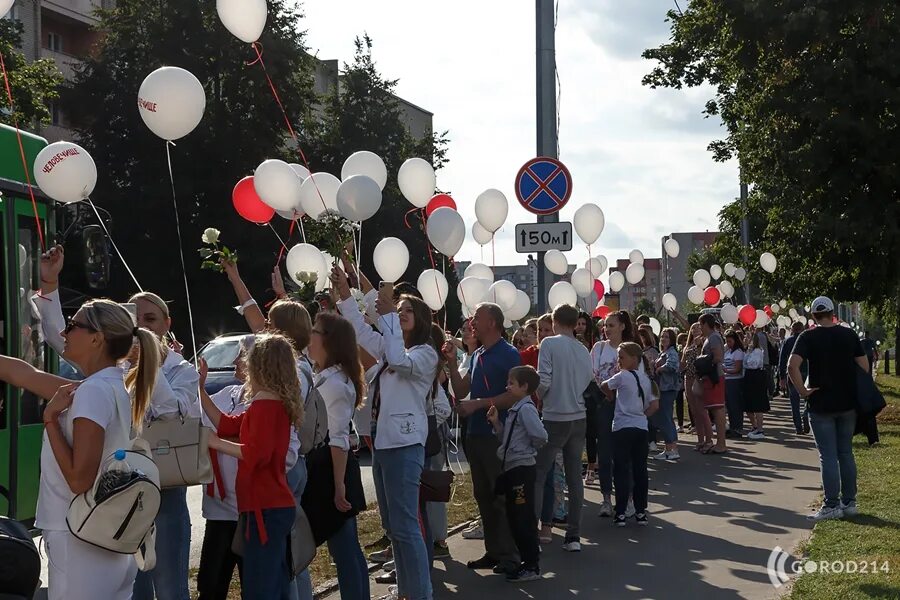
[632, 392]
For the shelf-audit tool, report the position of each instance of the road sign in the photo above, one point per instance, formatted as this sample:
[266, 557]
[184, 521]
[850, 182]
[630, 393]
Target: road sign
[540, 237]
[543, 185]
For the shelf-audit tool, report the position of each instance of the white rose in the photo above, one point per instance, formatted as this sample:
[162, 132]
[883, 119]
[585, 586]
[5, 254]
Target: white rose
[313, 276]
[210, 235]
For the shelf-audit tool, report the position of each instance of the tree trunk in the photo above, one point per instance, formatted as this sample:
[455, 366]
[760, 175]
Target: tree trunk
[897, 334]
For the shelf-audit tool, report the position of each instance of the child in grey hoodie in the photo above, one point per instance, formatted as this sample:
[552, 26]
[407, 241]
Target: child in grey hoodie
[520, 437]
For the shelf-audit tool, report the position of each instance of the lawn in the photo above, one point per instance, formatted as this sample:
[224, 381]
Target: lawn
[872, 537]
[461, 509]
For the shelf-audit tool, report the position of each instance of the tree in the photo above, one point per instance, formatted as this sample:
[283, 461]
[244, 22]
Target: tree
[644, 306]
[34, 85]
[363, 113]
[808, 92]
[242, 126]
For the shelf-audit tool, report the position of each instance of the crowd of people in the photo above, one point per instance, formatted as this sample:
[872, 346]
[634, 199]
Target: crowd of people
[527, 410]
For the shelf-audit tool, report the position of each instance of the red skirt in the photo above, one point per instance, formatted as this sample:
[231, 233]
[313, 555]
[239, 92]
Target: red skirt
[713, 395]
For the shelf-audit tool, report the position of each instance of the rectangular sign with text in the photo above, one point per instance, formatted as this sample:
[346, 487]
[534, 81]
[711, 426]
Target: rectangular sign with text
[540, 237]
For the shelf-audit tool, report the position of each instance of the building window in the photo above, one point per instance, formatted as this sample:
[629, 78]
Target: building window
[54, 42]
[55, 113]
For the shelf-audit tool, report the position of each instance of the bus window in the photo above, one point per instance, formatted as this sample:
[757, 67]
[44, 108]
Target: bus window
[31, 347]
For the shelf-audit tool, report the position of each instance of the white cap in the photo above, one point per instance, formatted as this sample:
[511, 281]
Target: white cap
[821, 304]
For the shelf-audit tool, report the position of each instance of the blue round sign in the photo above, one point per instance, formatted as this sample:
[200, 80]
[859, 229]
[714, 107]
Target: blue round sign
[543, 185]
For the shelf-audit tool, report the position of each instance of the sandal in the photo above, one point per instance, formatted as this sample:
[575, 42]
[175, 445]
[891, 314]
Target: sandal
[712, 450]
[704, 447]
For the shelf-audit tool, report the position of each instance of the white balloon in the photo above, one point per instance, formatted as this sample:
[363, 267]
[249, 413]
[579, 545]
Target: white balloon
[597, 266]
[729, 313]
[481, 235]
[433, 286]
[305, 257]
[810, 322]
[365, 163]
[583, 282]
[730, 269]
[471, 291]
[715, 272]
[762, 319]
[318, 193]
[324, 280]
[695, 294]
[562, 292]
[669, 301]
[446, 231]
[417, 181]
[171, 102]
[391, 257]
[655, 325]
[775, 308]
[589, 222]
[521, 307]
[556, 262]
[276, 184]
[726, 289]
[636, 256]
[672, 247]
[301, 171]
[616, 281]
[481, 271]
[358, 198]
[740, 274]
[794, 314]
[290, 215]
[503, 294]
[65, 172]
[701, 278]
[491, 209]
[246, 19]
[768, 262]
[782, 303]
[5, 6]
[634, 273]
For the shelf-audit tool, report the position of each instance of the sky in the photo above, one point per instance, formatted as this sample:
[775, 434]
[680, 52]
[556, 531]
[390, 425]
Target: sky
[638, 153]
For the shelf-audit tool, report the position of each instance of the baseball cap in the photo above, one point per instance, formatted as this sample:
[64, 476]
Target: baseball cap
[822, 304]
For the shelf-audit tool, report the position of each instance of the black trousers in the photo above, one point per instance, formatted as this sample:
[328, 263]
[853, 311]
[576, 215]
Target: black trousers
[630, 468]
[217, 561]
[520, 513]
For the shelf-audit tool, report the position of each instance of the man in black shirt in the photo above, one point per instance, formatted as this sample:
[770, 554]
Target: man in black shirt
[831, 351]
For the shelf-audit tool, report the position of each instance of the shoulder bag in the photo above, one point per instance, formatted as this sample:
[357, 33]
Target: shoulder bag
[180, 449]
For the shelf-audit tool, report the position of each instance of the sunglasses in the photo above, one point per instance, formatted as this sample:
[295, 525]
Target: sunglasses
[73, 324]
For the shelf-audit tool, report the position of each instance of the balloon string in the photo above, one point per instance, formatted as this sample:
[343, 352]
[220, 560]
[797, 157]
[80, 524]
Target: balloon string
[358, 254]
[427, 241]
[493, 253]
[257, 47]
[187, 289]
[283, 247]
[302, 231]
[406, 217]
[12, 112]
[444, 269]
[116, 248]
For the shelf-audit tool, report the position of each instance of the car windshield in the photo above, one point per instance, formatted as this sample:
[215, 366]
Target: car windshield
[220, 354]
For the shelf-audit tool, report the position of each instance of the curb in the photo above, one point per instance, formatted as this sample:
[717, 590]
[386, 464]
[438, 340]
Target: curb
[332, 585]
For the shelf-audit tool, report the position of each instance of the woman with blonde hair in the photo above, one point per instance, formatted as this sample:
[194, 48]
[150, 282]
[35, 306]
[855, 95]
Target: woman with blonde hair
[263, 431]
[83, 424]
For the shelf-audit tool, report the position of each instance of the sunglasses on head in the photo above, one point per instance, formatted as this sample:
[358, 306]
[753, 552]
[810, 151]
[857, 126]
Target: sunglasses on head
[73, 324]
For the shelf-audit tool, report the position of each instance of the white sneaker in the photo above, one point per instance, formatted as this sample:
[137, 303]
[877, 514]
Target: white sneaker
[667, 455]
[606, 509]
[629, 510]
[393, 593]
[756, 434]
[475, 532]
[653, 447]
[850, 509]
[573, 546]
[826, 512]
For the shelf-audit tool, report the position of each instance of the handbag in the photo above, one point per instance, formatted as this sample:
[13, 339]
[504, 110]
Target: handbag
[500, 483]
[301, 549]
[318, 496]
[180, 450]
[436, 486]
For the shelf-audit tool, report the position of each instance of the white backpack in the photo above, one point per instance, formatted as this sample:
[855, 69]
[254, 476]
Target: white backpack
[314, 426]
[123, 521]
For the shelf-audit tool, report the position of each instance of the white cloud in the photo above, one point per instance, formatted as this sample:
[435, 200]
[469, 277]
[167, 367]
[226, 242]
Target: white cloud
[640, 154]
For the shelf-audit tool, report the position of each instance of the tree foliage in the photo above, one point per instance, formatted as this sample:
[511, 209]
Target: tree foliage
[33, 85]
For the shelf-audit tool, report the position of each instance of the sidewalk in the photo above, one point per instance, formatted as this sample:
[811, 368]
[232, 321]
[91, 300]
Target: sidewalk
[714, 522]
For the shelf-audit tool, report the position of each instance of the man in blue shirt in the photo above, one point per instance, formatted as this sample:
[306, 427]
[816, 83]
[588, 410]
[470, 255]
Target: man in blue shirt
[485, 383]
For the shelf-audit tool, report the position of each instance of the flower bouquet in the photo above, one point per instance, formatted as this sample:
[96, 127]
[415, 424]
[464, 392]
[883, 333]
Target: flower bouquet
[212, 253]
[331, 233]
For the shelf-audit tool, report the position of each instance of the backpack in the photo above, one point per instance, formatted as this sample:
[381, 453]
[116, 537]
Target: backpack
[122, 519]
[20, 563]
[314, 427]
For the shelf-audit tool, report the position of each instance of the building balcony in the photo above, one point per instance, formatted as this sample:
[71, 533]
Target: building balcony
[78, 10]
[65, 62]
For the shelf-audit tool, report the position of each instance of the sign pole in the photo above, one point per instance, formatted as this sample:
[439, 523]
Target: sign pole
[545, 22]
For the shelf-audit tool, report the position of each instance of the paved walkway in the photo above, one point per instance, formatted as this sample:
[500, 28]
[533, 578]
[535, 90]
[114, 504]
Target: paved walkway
[714, 521]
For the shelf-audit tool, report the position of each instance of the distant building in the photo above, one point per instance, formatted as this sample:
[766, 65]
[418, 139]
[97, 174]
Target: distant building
[649, 288]
[675, 277]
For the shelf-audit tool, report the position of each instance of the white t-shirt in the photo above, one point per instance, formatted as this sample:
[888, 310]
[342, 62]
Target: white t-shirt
[102, 398]
[217, 507]
[731, 357]
[755, 359]
[629, 411]
[604, 359]
[339, 396]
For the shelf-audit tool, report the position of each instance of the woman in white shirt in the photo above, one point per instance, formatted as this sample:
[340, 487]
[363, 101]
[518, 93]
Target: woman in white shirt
[339, 380]
[733, 365]
[756, 396]
[408, 365]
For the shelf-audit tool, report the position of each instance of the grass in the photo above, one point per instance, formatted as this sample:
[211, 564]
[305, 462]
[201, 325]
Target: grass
[461, 509]
[874, 535]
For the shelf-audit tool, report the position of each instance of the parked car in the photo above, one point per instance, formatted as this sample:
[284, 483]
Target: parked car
[219, 354]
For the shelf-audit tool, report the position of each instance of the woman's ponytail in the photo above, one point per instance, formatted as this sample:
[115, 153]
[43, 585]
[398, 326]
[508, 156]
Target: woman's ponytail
[145, 372]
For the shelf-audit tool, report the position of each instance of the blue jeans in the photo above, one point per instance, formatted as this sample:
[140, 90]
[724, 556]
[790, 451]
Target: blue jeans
[663, 419]
[301, 586]
[352, 569]
[800, 415]
[169, 579]
[834, 439]
[266, 573]
[399, 470]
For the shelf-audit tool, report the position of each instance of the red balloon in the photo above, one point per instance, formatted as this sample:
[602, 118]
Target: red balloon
[439, 201]
[768, 310]
[599, 289]
[248, 204]
[747, 315]
[601, 311]
[711, 296]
